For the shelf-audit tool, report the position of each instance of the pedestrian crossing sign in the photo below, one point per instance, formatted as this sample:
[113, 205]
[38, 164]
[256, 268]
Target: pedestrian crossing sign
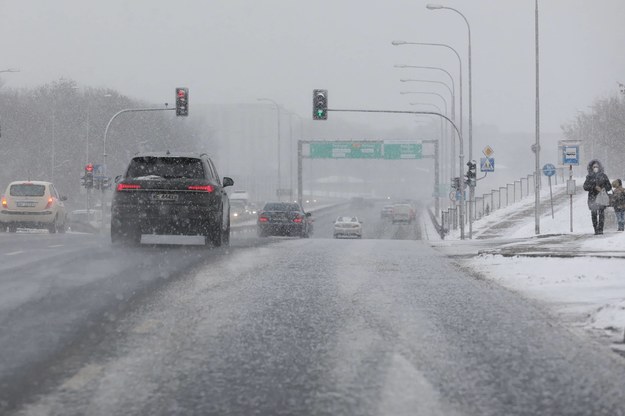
[487, 164]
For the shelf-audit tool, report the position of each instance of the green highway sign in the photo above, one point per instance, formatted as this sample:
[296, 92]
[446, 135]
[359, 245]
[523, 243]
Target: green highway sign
[359, 149]
[394, 150]
[346, 150]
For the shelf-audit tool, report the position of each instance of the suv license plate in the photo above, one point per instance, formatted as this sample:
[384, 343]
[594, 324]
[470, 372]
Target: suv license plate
[24, 204]
[165, 197]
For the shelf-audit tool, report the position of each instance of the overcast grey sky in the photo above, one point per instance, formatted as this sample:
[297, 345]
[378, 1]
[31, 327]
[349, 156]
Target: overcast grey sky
[238, 50]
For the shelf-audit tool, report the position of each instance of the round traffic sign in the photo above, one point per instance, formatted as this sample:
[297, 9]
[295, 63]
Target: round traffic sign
[549, 169]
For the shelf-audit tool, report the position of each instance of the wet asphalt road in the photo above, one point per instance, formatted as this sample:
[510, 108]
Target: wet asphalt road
[285, 326]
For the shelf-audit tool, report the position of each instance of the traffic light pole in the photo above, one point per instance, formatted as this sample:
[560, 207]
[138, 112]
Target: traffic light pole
[106, 132]
[126, 110]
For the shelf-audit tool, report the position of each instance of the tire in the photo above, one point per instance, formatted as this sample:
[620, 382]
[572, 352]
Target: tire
[216, 235]
[63, 227]
[116, 234]
[54, 226]
[226, 236]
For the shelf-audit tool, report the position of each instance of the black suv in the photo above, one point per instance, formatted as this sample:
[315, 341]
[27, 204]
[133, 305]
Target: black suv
[167, 193]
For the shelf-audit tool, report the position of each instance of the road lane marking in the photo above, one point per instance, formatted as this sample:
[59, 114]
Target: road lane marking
[14, 253]
[82, 377]
[147, 326]
[56, 245]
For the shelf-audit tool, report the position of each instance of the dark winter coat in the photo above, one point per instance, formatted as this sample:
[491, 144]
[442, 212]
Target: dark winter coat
[594, 180]
[618, 196]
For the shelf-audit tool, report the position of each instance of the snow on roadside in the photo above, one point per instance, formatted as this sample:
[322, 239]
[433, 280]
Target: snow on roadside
[588, 292]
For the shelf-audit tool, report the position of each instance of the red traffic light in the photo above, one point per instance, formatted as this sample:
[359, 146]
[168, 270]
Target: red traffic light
[181, 93]
[89, 167]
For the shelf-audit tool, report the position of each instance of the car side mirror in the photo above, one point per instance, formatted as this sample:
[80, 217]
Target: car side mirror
[309, 214]
[118, 178]
[63, 198]
[227, 181]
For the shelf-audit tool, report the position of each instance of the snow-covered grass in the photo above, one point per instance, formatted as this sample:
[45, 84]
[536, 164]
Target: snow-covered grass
[583, 291]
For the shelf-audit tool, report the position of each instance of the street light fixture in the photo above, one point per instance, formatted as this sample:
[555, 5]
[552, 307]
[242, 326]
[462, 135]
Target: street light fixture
[279, 184]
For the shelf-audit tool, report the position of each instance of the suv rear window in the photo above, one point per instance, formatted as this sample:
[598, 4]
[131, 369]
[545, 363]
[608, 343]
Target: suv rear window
[27, 189]
[166, 167]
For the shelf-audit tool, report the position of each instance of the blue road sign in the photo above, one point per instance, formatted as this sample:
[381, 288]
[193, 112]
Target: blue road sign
[549, 169]
[487, 164]
[570, 155]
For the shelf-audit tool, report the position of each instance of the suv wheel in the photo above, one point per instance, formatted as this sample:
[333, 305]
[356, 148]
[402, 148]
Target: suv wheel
[62, 228]
[216, 234]
[226, 236]
[54, 226]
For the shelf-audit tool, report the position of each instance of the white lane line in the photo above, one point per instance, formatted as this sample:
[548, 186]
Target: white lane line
[56, 245]
[13, 253]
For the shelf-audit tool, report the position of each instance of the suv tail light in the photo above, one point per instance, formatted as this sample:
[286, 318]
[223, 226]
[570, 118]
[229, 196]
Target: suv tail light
[204, 188]
[50, 202]
[127, 187]
[263, 219]
[4, 202]
[298, 219]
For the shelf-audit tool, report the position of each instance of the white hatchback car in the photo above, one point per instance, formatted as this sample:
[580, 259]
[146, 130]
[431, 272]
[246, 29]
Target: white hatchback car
[33, 204]
[347, 227]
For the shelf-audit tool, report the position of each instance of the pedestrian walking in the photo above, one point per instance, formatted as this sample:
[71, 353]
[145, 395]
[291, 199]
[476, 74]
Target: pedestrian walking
[597, 184]
[618, 203]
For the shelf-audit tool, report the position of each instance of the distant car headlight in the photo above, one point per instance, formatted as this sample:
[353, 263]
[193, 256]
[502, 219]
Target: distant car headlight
[236, 214]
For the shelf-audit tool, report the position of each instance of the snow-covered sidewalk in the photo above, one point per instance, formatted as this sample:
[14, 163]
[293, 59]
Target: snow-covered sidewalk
[580, 277]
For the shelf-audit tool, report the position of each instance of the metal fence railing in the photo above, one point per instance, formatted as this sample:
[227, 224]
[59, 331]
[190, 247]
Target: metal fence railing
[492, 201]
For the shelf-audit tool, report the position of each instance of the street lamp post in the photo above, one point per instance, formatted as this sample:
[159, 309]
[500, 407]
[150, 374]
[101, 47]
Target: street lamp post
[453, 83]
[451, 91]
[443, 134]
[279, 184]
[471, 188]
[537, 145]
[439, 7]
[441, 141]
[443, 45]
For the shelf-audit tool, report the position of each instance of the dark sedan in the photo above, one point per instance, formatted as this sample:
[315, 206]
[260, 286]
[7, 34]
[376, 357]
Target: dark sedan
[283, 218]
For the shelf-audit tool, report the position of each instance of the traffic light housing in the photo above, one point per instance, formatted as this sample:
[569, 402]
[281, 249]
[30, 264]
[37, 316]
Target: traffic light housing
[471, 173]
[320, 104]
[182, 102]
[88, 177]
